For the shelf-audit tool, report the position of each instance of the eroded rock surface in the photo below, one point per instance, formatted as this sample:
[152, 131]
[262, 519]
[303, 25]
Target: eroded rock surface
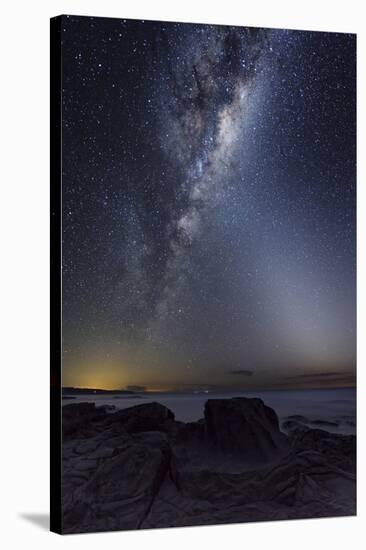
[246, 425]
[139, 468]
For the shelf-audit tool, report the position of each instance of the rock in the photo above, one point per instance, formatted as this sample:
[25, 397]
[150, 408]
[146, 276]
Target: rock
[139, 468]
[290, 425]
[290, 488]
[324, 423]
[298, 418]
[121, 491]
[110, 409]
[77, 419]
[83, 420]
[191, 432]
[79, 411]
[245, 425]
[339, 450]
[156, 440]
[142, 418]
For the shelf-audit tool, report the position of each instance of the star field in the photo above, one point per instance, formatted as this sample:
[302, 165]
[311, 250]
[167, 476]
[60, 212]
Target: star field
[208, 205]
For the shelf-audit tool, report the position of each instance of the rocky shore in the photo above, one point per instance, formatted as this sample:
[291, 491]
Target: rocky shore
[140, 468]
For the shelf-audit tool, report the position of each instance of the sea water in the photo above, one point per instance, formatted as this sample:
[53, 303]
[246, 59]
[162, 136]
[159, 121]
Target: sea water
[334, 406]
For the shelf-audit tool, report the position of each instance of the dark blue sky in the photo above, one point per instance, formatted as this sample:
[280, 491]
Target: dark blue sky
[208, 206]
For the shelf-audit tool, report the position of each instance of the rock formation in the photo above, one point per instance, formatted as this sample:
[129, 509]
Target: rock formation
[245, 425]
[140, 468]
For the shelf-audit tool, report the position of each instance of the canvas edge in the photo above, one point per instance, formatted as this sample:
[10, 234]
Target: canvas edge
[55, 276]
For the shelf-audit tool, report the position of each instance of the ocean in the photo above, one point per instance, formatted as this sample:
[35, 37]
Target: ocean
[331, 409]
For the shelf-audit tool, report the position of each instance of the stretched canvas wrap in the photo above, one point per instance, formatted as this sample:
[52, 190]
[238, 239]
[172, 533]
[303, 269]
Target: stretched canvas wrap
[203, 308]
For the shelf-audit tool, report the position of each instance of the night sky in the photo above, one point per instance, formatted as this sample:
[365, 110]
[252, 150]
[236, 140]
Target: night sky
[208, 206]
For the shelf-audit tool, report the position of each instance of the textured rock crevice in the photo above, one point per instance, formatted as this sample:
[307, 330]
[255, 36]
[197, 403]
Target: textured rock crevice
[139, 468]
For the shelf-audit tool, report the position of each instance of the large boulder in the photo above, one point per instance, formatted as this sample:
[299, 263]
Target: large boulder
[244, 425]
[142, 418]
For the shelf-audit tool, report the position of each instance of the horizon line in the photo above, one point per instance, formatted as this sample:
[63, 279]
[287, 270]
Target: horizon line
[217, 389]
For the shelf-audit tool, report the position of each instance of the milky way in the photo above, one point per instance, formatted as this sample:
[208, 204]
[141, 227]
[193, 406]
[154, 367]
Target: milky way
[208, 205]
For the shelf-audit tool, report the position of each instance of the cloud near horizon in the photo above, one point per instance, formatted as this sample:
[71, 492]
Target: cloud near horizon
[241, 372]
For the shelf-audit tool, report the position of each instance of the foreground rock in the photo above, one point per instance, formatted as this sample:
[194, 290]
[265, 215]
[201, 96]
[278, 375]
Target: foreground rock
[143, 418]
[246, 425]
[139, 468]
[119, 492]
[78, 419]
